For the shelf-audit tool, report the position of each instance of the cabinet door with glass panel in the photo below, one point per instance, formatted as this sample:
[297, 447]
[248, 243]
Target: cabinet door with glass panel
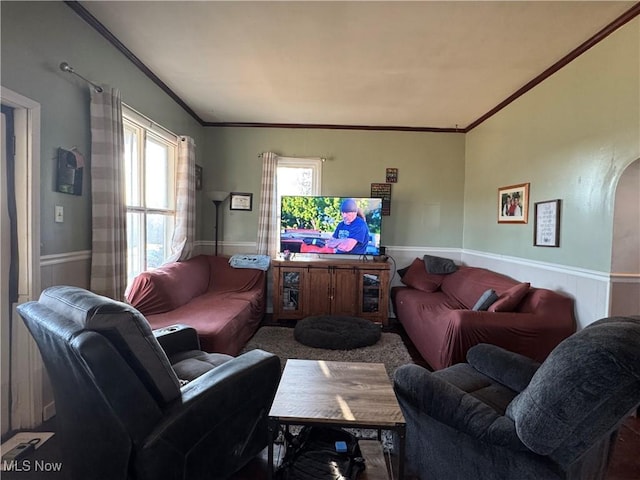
[373, 302]
[289, 292]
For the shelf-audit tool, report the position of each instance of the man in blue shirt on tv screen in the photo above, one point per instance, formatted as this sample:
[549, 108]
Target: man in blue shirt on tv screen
[352, 233]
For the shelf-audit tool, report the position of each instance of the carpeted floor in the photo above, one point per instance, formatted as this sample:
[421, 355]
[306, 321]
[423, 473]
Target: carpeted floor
[389, 350]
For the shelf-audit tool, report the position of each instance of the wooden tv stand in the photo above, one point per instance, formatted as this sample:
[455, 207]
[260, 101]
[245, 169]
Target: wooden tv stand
[303, 288]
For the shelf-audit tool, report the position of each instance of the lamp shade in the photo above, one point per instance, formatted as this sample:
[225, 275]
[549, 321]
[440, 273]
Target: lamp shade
[217, 196]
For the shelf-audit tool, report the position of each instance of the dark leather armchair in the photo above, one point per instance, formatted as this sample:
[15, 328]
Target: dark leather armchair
[122, 412]
[504, 416]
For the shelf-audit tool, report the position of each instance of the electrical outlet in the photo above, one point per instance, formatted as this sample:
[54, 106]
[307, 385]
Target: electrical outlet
[59, 214]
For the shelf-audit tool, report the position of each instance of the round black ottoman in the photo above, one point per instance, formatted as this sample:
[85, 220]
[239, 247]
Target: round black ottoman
[335, 332]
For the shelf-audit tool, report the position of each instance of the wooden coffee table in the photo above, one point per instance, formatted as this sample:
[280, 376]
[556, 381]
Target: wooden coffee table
[344, 394]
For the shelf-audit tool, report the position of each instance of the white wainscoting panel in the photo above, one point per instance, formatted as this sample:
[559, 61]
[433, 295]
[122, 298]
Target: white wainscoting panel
[73, 268]
[596, 294]
[588, 288]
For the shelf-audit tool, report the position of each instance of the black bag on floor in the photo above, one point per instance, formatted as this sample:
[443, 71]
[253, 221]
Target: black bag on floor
[312, 455]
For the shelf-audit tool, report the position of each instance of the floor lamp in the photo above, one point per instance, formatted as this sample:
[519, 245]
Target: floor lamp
[217, 198]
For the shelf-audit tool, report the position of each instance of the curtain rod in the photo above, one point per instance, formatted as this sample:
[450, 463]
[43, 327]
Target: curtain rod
[323, 159]
[129, 111]
[65, 67]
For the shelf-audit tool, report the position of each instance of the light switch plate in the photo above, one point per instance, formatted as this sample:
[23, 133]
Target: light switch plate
[59, 214]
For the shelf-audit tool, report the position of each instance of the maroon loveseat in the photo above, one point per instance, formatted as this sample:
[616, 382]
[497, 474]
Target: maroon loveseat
[224, 304]
[439, 320]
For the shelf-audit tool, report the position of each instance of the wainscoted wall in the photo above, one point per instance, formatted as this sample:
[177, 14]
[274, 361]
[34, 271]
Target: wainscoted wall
[73, 268]
[592, 291]
[589, 288]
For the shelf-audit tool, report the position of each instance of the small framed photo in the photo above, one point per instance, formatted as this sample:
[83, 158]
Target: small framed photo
[392, 175]
[198, 177]
[241, 201]
[546, 228]
[513, 203]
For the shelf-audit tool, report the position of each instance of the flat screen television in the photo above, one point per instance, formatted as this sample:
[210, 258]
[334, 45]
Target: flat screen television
[330, 225]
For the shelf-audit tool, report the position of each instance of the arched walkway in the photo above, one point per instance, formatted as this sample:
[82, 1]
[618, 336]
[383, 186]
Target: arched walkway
[625, 249]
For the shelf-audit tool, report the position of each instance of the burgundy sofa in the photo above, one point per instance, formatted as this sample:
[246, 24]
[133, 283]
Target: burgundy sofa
[224, 304]
[436, 312]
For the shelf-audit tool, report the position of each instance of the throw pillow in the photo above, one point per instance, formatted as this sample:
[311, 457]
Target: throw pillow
[403, 271]
[509, 300]
[439, 265]
[417, 277]
[485, 300]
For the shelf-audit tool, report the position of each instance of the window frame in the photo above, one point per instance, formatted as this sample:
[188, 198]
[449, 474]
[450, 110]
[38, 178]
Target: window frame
[147, 130]
[315, 163]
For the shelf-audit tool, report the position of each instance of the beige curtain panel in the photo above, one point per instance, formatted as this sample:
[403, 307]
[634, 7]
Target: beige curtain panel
[109, 233]
[267, 228]
[185, 226]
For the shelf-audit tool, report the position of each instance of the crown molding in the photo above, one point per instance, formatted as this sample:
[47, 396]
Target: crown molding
[594, 40]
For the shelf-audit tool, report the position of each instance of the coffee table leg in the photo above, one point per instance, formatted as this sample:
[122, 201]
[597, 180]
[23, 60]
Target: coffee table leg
[272, 428]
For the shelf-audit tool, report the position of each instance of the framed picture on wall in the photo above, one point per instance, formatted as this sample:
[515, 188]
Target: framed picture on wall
[546, 226]
[513, 203]
[69, 171]
[241, 201]
[383, 191]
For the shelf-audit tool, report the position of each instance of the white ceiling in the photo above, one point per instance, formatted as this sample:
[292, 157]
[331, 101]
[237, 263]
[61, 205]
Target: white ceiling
[404, 64]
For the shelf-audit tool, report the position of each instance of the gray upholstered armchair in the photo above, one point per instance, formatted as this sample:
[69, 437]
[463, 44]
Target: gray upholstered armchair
[122, 412]
[504, 416]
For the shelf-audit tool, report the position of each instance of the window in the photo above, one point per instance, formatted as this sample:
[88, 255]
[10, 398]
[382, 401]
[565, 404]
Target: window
[298, 176]
[150, 159]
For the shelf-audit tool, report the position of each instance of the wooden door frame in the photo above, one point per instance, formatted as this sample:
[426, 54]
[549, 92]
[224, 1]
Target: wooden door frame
[26, 363]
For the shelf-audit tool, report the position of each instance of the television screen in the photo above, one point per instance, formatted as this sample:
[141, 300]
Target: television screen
[342, 225]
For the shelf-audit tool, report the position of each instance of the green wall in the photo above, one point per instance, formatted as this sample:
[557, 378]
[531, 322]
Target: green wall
[427, 201]
[570, 137]
[35, 38]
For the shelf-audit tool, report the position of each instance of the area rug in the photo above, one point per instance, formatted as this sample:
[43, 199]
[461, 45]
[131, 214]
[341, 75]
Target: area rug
[336, 332]
[389, 350]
